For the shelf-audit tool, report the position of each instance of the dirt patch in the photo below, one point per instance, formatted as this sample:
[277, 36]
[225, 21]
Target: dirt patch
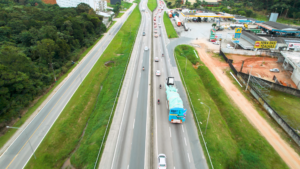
[281, 147]
[67, 165]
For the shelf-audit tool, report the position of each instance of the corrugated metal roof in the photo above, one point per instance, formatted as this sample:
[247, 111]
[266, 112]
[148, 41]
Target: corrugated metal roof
[252, 36]
[279, 26]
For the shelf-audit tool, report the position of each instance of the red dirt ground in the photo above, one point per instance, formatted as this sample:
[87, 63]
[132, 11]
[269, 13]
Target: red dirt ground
[262, 71]
[288, 155]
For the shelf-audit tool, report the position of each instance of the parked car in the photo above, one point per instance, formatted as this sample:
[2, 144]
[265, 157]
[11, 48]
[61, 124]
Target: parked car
[162, 164]
[276, 70]
[157, 73]
[146, 48]
[156, 59]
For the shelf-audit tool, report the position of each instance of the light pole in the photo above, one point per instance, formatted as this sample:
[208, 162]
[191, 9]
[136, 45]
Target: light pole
[207, 117]
[249, 77]
[28, 139]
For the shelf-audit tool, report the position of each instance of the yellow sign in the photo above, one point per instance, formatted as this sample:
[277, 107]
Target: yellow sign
[238, 30]
[265, 44]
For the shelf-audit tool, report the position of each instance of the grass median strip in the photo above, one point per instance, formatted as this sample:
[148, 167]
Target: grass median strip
[81, 125]
[152, 4]
[231, 140]
[169, 27]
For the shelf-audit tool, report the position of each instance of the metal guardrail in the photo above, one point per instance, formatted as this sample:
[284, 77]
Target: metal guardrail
[190, 101]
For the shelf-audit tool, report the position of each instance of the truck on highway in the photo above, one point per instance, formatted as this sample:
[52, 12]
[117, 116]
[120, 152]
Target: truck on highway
[177, 21]
[177, 113]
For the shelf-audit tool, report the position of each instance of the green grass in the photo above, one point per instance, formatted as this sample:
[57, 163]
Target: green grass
[89, 108]
[287, 106]
[152, 4]
[120, 15]
[264, 114]
[19, 123]
[169, 27]
[231, 140]
[125, 5]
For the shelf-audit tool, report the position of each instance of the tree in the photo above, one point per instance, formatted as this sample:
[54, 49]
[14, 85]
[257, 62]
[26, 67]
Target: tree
[243, 13]
[169, 4]
[214, 25]
[195, 5]
[178, 3]
[46, 50]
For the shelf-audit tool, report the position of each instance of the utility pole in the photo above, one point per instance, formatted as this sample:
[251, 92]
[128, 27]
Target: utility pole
[53, 71]
[249, 77]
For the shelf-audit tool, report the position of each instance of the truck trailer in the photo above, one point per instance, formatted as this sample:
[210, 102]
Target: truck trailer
[177, 113]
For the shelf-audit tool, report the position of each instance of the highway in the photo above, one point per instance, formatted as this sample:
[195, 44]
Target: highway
[19, 152]
[179, 142]
[129, 151]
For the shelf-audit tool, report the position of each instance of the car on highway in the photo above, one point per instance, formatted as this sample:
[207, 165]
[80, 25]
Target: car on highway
[162, 164]
[276, 70]
[146, 48]
[156, 59]
[144, 34]
[157, 73]
[156, 35]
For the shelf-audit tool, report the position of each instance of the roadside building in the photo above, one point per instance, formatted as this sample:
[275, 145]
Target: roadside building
[114, 2]
[102, 5]
[291, 62]
[73, 3]
[279, 29]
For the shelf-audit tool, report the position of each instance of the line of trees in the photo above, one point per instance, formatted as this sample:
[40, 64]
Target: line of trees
[285, 8]
[37, 41]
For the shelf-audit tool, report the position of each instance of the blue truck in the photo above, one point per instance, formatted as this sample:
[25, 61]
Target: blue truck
[177, 113]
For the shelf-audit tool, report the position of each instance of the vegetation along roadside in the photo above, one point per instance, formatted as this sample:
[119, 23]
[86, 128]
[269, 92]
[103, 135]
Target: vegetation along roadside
[37, 48]
[79, 130]
[152, 4]
[231, 140]
[169, 27]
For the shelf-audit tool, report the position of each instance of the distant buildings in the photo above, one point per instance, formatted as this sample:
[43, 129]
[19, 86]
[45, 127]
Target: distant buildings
[102, 5]
[73, 3]
[113, 2]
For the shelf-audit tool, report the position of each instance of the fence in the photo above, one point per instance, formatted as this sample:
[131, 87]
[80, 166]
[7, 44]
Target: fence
[285, 126]
[289, 130]
[250, 52]
[274, 86]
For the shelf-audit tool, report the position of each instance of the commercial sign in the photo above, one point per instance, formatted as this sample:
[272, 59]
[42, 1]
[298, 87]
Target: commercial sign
[265, 44]
[237, 33]
[238, 30]
[294, 45]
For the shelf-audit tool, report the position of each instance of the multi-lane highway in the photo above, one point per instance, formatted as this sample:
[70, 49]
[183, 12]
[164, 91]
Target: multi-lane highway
[179, 142]
[128, 131]
[20, 151]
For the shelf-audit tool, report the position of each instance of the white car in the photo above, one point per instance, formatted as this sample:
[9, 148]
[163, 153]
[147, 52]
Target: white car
[162, 164]
[157, 73]
[146, 48]
[275, 70]
[156, 59]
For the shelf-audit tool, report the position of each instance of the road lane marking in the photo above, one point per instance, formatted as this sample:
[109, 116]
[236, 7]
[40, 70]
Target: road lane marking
[189, 157]
[182, 128]
[170, 131]
[137, 95]
[185, 141]
[133, 122]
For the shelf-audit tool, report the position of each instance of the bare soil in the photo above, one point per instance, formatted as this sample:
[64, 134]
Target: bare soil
[291, 158]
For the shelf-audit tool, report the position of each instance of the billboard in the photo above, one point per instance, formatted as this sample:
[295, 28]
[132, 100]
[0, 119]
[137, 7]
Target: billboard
[265, 44]
[294, 45]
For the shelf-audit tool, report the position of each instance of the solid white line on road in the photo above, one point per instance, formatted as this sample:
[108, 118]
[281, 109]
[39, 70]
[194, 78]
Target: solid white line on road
[127, 166]
[133, 122]
[185, 141]
[170, 131]
[182, 128]
[137, 95]
[189, 157]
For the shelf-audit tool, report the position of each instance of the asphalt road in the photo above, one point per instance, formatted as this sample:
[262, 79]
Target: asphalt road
[130, 148]
[21, 150]
[179, 142]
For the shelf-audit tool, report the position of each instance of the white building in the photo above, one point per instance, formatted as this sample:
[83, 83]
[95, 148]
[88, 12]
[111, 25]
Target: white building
[102, 5]
[73, 3]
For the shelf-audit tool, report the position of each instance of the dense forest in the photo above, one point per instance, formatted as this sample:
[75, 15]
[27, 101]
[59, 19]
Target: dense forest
[37, 41]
